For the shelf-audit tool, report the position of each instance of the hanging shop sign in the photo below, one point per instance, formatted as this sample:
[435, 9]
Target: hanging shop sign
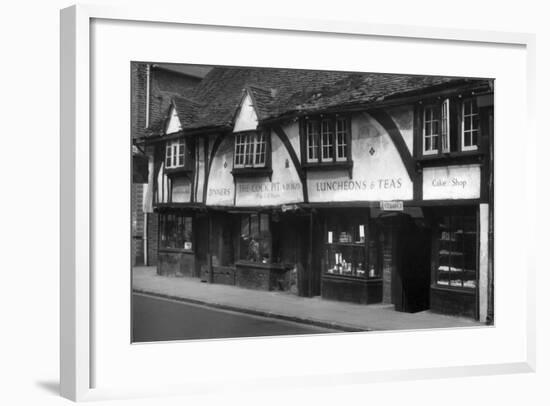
[451, 182]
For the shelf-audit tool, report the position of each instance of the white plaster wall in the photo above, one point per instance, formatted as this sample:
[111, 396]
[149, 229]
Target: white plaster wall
[377, 176]
[284, 186]
[403, 116]
[174, 125]
[163, 183]
[220, 180]
[200, 169]
[292, 131]
[247, 118]
[181, 190]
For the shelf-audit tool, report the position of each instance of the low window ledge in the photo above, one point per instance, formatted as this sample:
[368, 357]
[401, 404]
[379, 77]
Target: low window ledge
[329, 166]
[338, 165]
[183, 170]
[252, 172]
[262, 265]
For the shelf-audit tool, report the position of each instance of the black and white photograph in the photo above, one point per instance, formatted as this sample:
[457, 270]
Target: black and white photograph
[270, 201]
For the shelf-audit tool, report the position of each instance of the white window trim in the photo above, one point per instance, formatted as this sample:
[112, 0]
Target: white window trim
[251, 140]
[174, 146]
[344, 144]
[462, 137]
[424, 150]
[331, 145]
[444, 126]
[315, 146]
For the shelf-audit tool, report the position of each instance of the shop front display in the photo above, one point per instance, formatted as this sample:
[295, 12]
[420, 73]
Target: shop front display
[351, 271]
[176, 255]
[455, 262]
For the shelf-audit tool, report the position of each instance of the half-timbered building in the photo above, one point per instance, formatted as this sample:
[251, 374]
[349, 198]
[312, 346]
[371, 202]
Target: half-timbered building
[360, 187]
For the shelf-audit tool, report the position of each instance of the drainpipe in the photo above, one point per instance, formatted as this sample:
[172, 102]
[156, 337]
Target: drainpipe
[145, 240]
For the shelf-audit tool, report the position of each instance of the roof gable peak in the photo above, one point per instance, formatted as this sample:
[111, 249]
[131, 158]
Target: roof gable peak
[247, 115]
[174, 124]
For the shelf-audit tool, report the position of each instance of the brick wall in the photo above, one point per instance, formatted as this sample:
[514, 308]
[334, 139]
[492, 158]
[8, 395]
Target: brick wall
[162, 87]
[137, 224]
[152, 240]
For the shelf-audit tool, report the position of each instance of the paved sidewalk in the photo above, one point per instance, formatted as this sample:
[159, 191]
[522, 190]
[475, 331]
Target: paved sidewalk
[316, 311]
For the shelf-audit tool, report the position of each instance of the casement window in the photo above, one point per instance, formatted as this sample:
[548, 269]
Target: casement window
[430, 130]
[470, 125]
[450, 126]
[175, 154]
[255, 238]
[250, 150]
[312, 136]
[175, 231]
[341, 139]
[327, 139]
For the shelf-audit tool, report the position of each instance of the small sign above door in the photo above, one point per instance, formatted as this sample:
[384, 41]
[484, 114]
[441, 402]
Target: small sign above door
[391, 205]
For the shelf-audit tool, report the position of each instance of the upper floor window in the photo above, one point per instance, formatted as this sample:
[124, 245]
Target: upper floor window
[470, 125]
[326, 139]
[452, 125]
[250, 150]
[175, 153]
[430, 130]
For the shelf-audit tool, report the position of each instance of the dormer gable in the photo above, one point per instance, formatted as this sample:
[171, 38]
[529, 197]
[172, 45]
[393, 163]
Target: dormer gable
[247, 118]
[173, 124]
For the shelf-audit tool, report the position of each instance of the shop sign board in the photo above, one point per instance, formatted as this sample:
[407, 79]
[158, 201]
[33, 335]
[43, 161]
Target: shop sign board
[392, 205]
[451, 182]
[181, 191]
[261, 193]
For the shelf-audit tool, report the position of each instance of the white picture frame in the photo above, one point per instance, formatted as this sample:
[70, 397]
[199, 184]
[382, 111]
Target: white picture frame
[77, 187]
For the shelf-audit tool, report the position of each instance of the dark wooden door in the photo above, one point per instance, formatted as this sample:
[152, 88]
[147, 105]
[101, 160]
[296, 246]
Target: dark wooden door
[413, 267]
[201, 242]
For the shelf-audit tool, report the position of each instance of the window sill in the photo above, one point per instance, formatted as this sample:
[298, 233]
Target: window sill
[452, 157]
[252, 172]
[335, 165]
[252, 264]
[182, 170]
[177, 250]
[454, 289]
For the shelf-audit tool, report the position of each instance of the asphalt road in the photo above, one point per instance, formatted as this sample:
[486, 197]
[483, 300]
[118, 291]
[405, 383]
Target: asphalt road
[158, 319]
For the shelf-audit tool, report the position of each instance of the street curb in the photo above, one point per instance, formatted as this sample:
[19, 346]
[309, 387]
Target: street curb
[255, 312]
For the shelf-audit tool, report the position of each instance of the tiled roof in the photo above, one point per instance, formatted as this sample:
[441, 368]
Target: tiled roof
[278, 92]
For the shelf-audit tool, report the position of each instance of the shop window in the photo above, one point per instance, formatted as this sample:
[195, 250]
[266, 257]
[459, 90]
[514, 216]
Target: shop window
[457, 243]
[470, 125]
[326, 140]
[346, 247]
[255, 238]
[175, 154]
[176, 231]
[251, 149]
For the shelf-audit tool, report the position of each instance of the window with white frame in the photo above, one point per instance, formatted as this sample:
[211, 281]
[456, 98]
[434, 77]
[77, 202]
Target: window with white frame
[470, 125]
[250, 150]
[327, 139]
[445, 127]
[312, 136]
[430, 130]
[175, 153]
[341, 139]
